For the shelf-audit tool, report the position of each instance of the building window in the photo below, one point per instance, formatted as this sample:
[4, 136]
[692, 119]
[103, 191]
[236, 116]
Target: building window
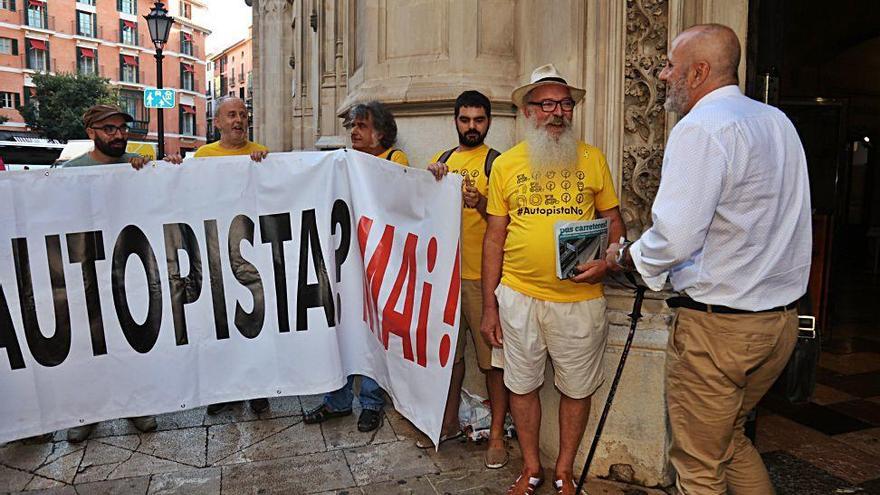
[186, 43]
[38, 55]
[185, 9]
[128, 32]
[187, 77]
[36, 14]
[7, 4]
[128, 69]
[126, 6]
[187, 120]
[85, 24]
[9, 100]
[87, 61]
[86, 2]
[8, 46]
[132, 103]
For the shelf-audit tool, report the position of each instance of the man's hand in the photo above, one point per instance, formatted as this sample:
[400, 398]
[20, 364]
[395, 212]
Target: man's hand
[174, 158]
[611, 257]
[470, 195]
[591, 272]
[491, 327]
[438, 169]
[258, 156]
[138, 162]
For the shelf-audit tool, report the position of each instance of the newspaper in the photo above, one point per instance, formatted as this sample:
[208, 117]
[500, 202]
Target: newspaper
[578, 242]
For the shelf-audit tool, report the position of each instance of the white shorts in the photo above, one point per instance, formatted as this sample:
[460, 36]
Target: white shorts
[573, 334]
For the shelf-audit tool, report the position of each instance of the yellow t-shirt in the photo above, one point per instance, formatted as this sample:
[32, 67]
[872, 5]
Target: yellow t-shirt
[399, 157]
[472, 164]
[214, 149]
[535, 201]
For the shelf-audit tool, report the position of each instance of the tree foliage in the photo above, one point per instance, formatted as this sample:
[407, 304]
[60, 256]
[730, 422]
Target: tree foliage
[56, 108]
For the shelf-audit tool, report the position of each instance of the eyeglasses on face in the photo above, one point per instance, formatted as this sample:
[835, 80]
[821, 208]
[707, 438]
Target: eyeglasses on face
[111, 129]
[550, 105]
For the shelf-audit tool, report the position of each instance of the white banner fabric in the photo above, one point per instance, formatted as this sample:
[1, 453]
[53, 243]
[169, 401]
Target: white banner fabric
[125, 293]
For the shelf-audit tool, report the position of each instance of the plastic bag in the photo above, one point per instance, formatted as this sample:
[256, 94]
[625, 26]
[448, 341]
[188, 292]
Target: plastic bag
[475, 417]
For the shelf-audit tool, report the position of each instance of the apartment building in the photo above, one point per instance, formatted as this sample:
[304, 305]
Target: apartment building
[109, 38]
[229, 74]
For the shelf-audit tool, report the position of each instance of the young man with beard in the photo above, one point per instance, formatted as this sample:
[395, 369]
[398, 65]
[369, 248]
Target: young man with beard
[231, 119]
[527, 311]
[374, 131]
[732, 232]
[473, 160]
[107, 127]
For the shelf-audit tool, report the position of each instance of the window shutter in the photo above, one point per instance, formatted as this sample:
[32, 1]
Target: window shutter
[17, 100]
[119, 5]
[180, 119]
[78, 25]
[12, 5]
[15, 47]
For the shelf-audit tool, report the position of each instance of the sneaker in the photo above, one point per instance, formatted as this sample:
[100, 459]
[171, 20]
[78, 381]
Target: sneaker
[80, 433]
[369, 420]
[259, 405]
[144, 423]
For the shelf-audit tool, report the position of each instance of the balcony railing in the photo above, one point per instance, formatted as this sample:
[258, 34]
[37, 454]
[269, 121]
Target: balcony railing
[50, 64]
[97, 31]
[141, 127]
[39, 21]
[133, 39]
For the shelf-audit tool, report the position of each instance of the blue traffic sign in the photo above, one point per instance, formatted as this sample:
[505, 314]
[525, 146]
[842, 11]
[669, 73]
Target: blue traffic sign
[159, 98]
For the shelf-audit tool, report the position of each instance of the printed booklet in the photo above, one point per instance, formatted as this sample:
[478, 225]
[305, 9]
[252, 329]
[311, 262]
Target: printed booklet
[578, 242]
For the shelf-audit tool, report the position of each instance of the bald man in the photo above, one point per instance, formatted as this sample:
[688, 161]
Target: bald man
[732, 233]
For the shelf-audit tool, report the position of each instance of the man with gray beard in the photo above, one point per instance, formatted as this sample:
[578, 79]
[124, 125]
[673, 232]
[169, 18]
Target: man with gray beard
[529, 313]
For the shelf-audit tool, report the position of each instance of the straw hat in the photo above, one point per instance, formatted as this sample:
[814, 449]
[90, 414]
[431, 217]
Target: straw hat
[543, 75]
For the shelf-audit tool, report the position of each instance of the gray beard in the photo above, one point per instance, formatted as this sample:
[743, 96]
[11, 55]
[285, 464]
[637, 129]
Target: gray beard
[547, 151]
[676, 97]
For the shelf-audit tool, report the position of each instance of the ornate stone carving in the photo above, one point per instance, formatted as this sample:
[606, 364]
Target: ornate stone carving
[644, 117]
[274, 6]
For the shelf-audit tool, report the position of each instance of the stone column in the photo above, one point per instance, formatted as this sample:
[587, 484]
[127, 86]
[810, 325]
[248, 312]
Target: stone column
[272, 73]
[418, 55]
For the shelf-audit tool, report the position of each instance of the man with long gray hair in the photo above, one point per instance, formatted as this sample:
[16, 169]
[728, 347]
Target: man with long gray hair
[551, 176]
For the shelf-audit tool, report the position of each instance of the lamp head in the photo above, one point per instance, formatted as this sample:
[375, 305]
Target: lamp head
[159, 23]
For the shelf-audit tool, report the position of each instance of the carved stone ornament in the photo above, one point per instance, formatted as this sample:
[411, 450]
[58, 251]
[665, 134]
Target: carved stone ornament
[644, 117]
[274, 6]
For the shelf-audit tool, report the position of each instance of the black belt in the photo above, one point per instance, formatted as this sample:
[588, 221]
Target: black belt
[688, 303]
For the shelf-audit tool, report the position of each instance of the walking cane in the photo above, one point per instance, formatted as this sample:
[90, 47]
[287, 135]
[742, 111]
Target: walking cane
[634, 317]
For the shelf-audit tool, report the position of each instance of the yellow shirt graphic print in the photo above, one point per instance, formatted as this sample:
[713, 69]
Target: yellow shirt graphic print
[472, 164]
[535, 200]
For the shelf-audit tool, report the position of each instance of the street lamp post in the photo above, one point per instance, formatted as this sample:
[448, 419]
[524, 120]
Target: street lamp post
[159, 23]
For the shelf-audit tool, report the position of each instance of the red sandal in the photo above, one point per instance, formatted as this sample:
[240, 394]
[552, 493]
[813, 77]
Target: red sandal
[523, 486]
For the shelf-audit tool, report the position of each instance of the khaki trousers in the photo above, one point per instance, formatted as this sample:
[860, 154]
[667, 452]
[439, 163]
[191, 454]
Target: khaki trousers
[718, 367]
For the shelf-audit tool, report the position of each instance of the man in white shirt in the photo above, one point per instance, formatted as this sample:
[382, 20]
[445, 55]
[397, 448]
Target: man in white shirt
[732, 232]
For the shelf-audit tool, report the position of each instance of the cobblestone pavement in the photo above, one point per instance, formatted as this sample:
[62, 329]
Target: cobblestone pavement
[238, 452]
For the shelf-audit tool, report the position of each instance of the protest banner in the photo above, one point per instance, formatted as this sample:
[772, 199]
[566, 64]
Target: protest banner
[126, 293]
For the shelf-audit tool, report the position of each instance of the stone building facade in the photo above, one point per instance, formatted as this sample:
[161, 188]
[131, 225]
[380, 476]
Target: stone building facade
[314, 58]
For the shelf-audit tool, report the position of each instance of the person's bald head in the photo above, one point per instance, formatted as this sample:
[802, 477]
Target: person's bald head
[701, 59]
[231, 119]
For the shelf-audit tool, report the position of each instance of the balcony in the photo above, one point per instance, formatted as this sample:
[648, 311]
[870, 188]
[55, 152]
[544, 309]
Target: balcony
[40, 64]
[97, 31]
[32, 19]
[127, 39]
[139, 127]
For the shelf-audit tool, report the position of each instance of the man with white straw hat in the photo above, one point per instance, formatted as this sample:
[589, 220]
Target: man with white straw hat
[530, 313]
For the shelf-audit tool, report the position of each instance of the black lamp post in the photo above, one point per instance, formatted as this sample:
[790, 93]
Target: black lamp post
[159, 23]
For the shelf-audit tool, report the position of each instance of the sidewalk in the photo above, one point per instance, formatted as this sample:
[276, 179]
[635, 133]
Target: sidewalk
[237, 452]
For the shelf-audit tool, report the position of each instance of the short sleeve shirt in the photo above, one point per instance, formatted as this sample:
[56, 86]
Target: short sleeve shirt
[535, 200]
[472, 164]
[397, 156]
[214, 149]
[86, 160]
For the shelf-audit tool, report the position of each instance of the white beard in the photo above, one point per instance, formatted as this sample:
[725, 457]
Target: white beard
[547, 151]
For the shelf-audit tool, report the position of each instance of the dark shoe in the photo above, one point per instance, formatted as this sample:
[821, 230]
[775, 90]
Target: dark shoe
[259, 405]
[323, 413]
[218, 408]
[369, 420]
[80, 433]
[144, 423]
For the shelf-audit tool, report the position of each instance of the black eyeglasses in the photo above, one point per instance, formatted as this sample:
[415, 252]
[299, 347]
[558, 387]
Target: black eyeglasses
[550, 105]
[111, 129]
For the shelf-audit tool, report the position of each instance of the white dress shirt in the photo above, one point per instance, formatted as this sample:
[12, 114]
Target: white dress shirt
[732, 219]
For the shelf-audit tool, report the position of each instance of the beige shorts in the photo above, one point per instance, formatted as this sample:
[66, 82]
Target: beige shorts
[471, 318]
[573, 334]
